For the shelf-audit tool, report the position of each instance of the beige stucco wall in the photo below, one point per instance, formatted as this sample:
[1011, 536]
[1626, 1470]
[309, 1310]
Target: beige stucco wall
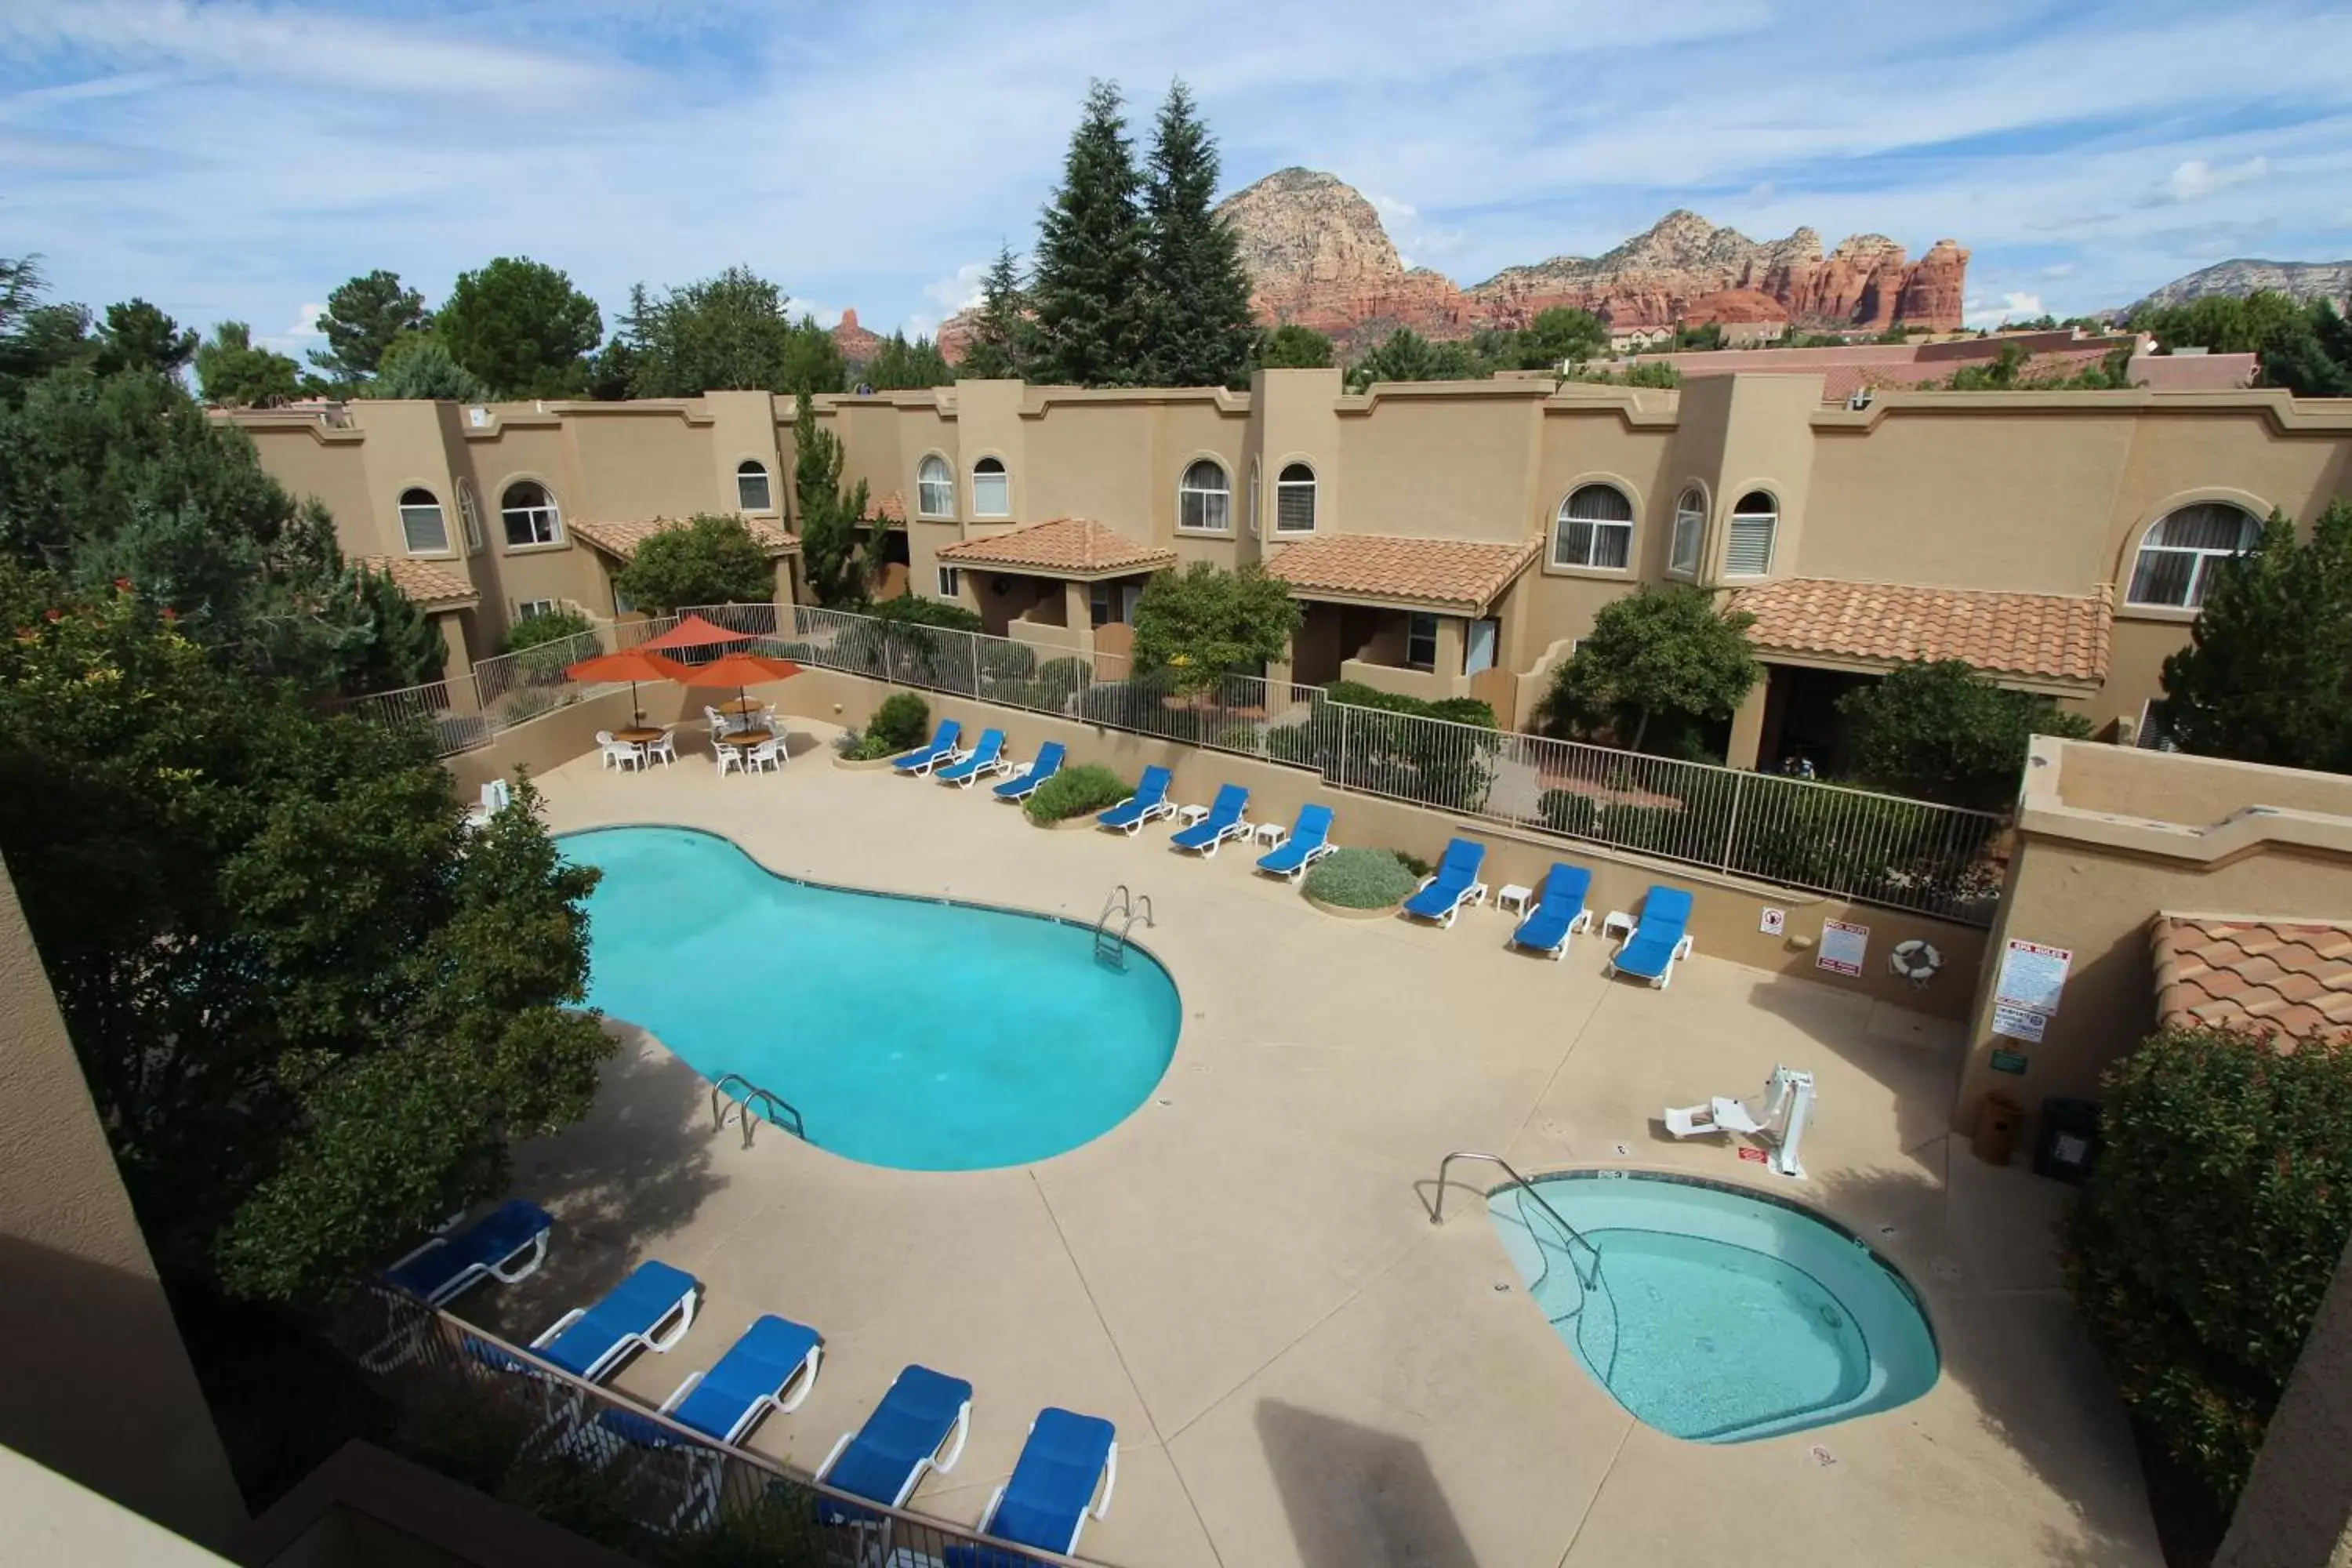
[2107, 838]
[2038, 492]
[94, 1381]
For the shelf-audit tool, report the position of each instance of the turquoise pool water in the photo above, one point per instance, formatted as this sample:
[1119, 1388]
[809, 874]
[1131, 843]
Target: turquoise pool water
[911, 1033]
[1713, 1314]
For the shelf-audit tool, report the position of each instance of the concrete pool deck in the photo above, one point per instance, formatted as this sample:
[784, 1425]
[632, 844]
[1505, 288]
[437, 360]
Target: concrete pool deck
[1243, 1275]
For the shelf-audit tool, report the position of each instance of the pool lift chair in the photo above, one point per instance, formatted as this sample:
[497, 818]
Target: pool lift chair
[1788, 1105]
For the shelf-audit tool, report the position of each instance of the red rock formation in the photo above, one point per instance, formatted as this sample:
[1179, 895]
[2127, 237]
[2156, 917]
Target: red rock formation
[857, 344]
[1734, 305]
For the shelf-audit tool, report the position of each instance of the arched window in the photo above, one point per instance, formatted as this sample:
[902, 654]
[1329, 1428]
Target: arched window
[1754, 522]
[1595, 528]
[1690, 528]
[1294, 499]
[934, 488]
[752, 492]
[991, 489]
[421, 526]
[2181, 549]
[529, 513]
[1205, 498]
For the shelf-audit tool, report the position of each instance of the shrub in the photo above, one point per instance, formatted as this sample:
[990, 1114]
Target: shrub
[2219, 1206]
[868, 747]
[1414, 864]
[550, 628]
[902, 723]
[1239, 737]
[1944, 732]
[1359, 878]
[712, 558]
[1077, 791]
[1567, 810]
[1007, 660]
[914, 610]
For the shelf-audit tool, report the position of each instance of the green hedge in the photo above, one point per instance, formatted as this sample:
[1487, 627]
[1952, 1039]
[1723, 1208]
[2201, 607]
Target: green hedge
[1359, 878]
[2219, 1203]
[1077, 791]
[903, 721]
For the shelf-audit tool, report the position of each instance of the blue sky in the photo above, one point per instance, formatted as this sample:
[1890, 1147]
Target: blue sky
[238, 159]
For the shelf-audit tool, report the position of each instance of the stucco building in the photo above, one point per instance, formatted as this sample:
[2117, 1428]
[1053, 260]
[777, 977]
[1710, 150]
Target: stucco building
[1445, 539]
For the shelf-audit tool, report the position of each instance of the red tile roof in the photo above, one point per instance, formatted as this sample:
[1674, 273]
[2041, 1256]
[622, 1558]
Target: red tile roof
[1065, 547]
[1452, 573]
[619, 540]
[427, 585]
[890, 507]
[2043, 636]
[2288, 979]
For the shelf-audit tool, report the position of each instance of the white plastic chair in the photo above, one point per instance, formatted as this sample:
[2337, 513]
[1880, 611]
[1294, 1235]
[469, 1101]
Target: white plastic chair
[720, 723]
[621, 755]
[496, 797]
[728, 757]
[665, 749]
[766, 755]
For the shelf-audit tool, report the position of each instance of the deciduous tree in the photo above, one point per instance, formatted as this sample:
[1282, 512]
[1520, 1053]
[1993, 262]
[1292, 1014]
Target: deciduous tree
[363, 318]
[521, 327]
[1943, 732]
[1090, 284]
[2267, 674]
[1657, 653]
[238, 373]
[1198, 327]
[711, 559]
[731, 331]
[900, 365]
[1292, 347]
[1201, 625]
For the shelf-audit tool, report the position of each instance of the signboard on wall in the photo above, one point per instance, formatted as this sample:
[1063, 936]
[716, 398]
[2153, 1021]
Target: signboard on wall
[1772, 922]
[2019, 1022]
[2032, 976]
[2009, 1062]
[1844, 947]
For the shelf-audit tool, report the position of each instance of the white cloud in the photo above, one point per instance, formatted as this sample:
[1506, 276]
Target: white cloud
[959, 291]
[2059, 269]
[2194, 179]
[2013, 307]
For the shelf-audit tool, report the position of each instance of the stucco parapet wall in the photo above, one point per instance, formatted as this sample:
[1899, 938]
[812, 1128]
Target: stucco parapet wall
[2043, 812]
[688, 411]
[2285, 414]
[319, 430]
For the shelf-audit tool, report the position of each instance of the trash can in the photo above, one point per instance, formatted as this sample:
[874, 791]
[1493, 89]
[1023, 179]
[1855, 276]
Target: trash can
[1996, 1134]
[2069, 1141]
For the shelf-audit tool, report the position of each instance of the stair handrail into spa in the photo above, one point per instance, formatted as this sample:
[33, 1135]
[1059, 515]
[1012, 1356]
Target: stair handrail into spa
[1437, 1202]
[740, 1105]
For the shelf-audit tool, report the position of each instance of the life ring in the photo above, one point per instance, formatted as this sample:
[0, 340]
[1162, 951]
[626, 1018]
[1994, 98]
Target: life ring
[1916, 961]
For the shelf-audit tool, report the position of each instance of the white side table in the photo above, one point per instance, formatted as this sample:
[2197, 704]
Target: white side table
[1618, 923]
[1189, 815]
[1513, 899]
[1269, 833]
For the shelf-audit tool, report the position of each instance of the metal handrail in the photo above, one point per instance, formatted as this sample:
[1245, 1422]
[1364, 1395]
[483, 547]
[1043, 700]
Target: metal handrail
[741, 1104]
[1121, 902]
[1437, 1204]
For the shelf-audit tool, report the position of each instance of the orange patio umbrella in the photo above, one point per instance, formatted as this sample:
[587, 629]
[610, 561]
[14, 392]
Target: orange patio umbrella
[695, 632]
[736, 669]
[632, 664]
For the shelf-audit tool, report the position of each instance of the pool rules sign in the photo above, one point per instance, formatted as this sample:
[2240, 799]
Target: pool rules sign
[2032, 978]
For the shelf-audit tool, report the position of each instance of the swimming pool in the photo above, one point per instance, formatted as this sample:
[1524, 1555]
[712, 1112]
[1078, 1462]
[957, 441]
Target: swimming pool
[1716, 1314]
[913, 1033]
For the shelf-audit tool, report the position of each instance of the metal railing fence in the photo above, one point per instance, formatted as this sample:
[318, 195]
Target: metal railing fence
[494, 1416]
[1822, 837]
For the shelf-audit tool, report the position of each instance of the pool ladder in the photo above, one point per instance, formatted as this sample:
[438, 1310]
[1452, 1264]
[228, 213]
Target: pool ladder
[746, 1096]
[1437, 1204]
[1111, 946]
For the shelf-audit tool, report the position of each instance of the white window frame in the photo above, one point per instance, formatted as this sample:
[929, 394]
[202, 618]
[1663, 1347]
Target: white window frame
[1742, 513]
[1285, 486]
[752, 468]
[950, 583]
[533, 518]
[1689, 539]
[933, 475]
[2201, 558]
[532, 610]
[1001, 480]
[1594, 528]
[432, 503]
[472, 515]
[1255, 487]
[1213, 502]
[1421, 626]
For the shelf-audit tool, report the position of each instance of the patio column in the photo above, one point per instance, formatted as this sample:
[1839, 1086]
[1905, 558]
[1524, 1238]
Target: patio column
[1748, 723]
[2296, 1510]
[1077, 606]
[1453, 647]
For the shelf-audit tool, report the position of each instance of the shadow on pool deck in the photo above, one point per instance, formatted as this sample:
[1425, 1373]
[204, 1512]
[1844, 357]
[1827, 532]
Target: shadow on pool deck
[637, 1171]
[1357, 1498]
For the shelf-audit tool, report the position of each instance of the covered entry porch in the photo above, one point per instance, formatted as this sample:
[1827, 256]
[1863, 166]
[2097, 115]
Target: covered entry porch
[1071, 582]
[1419, 618]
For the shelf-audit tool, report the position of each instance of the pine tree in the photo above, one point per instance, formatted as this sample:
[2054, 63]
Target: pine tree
[1089, 289]
[1003, 339]
[1197, 296]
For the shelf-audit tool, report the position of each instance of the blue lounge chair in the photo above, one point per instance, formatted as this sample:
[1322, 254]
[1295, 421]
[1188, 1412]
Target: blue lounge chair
[940, 749]
[988, 757]
[590, 1342]
[1662, 937]
[1149, 801]
[1226, 820]
[507, 1244]
[1560, 914]
[1309, 841]
[1027, 776]
[921, 1424]
[773, 1356]
[1053, 1491]
[1440, 898]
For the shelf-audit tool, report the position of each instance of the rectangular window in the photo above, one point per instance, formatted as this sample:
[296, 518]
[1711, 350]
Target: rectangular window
[1205, 512]
[1421, 642]
[935, 497]
[620, 603]
[1479, 651]
[528, 525]
[1099, 603]
[1293, 506]
[1749, 552]
[992, 495]
[950, 583]
[752, 489]
[532, 610]
[425, 530]
[1689, 523]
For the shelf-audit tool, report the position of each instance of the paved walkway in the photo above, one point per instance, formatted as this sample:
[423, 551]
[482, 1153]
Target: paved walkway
[1243, 1275]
